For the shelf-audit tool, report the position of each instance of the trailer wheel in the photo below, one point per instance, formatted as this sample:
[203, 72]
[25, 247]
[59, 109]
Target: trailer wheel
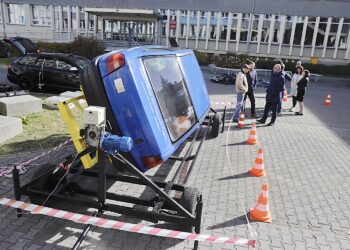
[215, 126]
[189, 202]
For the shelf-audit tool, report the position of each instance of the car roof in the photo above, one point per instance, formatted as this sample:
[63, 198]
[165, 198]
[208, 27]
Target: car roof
[54, 54]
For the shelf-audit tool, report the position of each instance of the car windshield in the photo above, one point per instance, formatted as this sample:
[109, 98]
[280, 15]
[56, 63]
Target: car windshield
[169, 86]
[81, 61]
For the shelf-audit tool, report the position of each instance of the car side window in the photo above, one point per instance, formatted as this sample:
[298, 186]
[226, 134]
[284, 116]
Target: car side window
[62, 64]
[27, 60]
[49, 62]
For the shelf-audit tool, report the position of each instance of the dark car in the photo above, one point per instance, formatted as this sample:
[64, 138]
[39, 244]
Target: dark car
[227, 78]
[33, 71]
[5, 50]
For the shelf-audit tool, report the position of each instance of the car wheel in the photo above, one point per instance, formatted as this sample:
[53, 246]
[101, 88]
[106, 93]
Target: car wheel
[26, 83]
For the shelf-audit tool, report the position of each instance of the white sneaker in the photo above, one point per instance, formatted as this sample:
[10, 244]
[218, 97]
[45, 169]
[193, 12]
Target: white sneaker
[292, 110]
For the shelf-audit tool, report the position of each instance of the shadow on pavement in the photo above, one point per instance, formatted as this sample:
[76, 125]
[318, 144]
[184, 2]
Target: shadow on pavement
[241, 220]
[236, 176]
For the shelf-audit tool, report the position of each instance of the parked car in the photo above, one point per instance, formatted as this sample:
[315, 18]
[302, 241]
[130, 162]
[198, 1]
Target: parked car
[155, 95]
[33, 71]
[227, 78]
[24, 45]
[5, 50]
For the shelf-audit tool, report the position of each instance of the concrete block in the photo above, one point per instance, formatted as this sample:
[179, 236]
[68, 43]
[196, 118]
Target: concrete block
[20, 105]
[71, 94]
[52, 101]
[9, 127]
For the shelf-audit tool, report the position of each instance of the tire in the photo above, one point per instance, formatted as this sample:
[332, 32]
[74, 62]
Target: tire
[215, 126]
[226, 80]
[189, 201]
[26, 83]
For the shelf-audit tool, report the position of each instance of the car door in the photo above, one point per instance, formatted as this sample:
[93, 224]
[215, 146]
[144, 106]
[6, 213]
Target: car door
[45, 66]
[67, 73]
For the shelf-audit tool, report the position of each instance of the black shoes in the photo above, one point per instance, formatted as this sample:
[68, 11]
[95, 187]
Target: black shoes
[270, 124]
[234, 120]
[262, 121]
[298, 113]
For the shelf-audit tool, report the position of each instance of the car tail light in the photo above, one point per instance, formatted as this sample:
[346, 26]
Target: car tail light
[114, 62]
[151, 162]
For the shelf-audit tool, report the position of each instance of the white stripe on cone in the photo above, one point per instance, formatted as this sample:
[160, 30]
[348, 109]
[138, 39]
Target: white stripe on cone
[125, 226]
[262, 207]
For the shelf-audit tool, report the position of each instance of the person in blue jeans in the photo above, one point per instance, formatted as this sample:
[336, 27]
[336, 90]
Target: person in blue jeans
[241, 89]
[273, 95]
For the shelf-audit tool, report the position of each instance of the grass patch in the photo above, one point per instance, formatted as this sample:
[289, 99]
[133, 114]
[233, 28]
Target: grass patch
[5, 61]
[41, 130]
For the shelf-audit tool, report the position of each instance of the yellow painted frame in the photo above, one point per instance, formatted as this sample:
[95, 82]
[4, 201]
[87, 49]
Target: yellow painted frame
[74, 130]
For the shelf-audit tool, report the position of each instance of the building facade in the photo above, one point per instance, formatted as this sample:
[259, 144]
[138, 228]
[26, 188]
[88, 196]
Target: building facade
[300, 29]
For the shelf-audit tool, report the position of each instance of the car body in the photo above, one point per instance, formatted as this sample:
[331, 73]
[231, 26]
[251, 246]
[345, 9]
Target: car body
[155, 95]
[31, 71]
[227, 78]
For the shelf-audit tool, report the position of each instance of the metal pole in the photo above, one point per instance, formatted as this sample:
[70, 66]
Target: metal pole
[250, 26]
[16, 187]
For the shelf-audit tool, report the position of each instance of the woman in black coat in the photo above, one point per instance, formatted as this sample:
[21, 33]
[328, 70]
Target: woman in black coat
[302, 84]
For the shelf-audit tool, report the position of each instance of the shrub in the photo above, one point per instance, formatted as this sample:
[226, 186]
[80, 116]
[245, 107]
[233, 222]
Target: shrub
[202, 58]
[88, 47]
[54, 47]
[229, 60]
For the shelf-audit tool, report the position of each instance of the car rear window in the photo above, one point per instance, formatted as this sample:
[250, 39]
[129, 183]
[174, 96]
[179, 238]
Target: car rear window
[169, 86]
[26, 60]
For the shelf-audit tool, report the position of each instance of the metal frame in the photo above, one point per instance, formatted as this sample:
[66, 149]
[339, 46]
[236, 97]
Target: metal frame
[165, 207]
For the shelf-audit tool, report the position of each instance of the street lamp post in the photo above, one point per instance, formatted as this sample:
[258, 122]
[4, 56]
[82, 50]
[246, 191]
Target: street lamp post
[250, 25]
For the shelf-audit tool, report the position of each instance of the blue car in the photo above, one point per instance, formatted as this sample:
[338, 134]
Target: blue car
[155, 95]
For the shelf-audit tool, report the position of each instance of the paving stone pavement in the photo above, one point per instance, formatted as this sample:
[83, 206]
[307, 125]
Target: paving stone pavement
[307, 164]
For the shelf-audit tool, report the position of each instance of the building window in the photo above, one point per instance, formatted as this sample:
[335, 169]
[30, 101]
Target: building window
[41, 15]
[344, 35]
[288, 30]
[233, 34]
[255, 27]
[310, 31]
[15, 13]
[298, 31]
[244, 28]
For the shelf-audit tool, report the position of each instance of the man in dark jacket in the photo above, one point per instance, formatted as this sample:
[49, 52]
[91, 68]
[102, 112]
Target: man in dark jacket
[273, 95]
[252, 80]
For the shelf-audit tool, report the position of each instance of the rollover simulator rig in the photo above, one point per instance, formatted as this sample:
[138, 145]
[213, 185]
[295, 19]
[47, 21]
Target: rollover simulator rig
[143, 104]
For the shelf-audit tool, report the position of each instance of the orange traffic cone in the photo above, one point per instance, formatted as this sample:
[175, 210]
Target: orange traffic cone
[241, 120]
[328, 101]
[258, 167]
[261, 210]
[252, 135]
[285, 96]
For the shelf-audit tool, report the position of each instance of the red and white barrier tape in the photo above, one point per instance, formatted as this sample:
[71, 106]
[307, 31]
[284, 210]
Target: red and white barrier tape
[8, 171]
[119, 225]
[221, 103]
